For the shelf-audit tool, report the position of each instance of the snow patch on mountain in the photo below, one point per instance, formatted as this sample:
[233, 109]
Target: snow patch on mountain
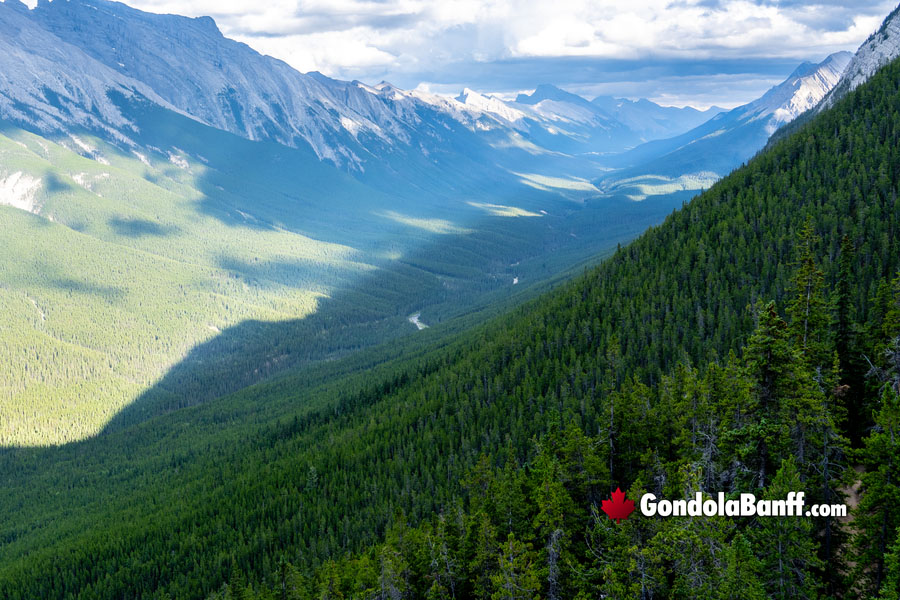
[85, 149]
[490, 105]
[142, 157]
[19, 190]
[177, 159]
[87, 181]
[803, 90]
[555, 110]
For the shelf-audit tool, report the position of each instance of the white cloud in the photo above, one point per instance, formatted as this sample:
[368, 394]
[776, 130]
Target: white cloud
[318, 31]
[410, 41]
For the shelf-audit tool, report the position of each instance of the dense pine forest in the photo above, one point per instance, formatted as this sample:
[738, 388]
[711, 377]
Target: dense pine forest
[750, 343]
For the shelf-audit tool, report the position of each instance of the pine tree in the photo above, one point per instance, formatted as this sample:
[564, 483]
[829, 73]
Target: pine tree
[771, 368]
[515, 578]
[742, 572]
[877, 517]
[624, 562]
[890, 589]
[329, 587]
[843, 307]
[391, 573]
[482, 550]
[443, 564]
[807, 307]
[554, 505]
[786, 544]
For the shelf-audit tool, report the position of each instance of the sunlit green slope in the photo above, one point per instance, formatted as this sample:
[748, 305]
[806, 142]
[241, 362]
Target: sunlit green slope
[119, 261]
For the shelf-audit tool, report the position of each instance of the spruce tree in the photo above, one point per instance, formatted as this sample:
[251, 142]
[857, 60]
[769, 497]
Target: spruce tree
[787, 545]
[807, 307]
[742, 572]
[516, 578]
[877, 516]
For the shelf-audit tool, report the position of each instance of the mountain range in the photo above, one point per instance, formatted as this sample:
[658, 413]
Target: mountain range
[187, 66]
[704, 154]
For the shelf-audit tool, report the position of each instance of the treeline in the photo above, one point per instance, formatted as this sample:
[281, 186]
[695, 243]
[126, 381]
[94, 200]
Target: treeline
[727, 350]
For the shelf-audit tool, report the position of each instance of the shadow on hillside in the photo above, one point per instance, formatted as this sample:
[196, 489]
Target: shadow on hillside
[136, 228]
[450, 276]
[441, 276]
[371, 310]
[264, 185]
[109, 292]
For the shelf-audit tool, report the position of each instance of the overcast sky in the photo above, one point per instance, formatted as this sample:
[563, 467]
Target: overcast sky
[697, 52]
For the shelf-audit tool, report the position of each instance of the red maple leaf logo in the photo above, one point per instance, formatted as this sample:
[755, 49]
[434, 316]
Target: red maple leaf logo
[618, 508]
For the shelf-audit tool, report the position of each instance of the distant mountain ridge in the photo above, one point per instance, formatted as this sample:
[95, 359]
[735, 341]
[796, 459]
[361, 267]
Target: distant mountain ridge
[711, 150]
[563, 121]
[653, 121]
[80, 49]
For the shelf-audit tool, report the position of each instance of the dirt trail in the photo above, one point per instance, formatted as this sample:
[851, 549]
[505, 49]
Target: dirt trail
[37, 308]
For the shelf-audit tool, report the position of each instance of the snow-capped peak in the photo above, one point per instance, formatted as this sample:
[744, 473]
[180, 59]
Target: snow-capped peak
[803, 90]
[491, 105]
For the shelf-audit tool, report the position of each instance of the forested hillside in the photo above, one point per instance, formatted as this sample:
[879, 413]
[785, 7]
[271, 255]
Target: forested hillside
[750, 343]
[235, 260]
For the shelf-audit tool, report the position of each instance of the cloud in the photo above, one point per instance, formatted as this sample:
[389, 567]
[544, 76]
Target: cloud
[415, 41]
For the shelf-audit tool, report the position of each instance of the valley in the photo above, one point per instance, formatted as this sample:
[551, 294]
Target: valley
[174, 261]
[269, 334]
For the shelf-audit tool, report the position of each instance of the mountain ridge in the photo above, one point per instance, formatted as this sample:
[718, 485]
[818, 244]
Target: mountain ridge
[730, 138]
[344, 122]
[880, 48]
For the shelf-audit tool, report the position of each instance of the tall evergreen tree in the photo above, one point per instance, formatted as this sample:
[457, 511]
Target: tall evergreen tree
[516, 578]
[771, 365]
[807, 307]
[843, 308]
[786, 544]
[877, 516]
[890, 589]
[741, 579]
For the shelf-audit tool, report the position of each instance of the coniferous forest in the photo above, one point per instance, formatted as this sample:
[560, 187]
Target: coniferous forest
[750, 343]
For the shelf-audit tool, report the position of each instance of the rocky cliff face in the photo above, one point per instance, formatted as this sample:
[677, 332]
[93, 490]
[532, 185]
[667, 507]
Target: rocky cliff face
[53, 85]
[803, 90]
[882, 47]
[61, 59]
